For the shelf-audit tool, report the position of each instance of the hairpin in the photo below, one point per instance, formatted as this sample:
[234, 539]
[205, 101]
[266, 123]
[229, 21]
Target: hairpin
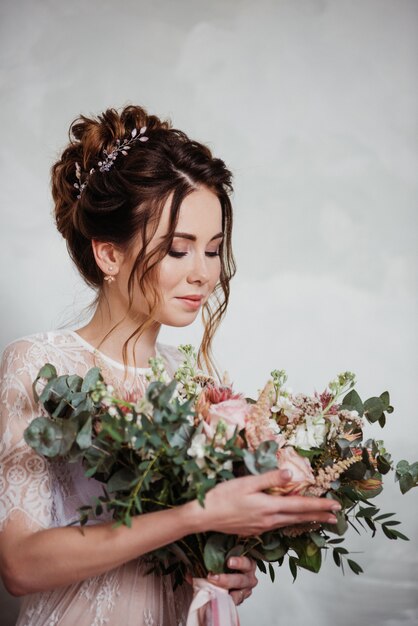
[121, 147]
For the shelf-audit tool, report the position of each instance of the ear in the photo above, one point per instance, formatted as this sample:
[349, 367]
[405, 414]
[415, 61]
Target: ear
[107, 256]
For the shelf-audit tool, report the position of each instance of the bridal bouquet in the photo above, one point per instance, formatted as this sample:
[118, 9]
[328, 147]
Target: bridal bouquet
[188, 433]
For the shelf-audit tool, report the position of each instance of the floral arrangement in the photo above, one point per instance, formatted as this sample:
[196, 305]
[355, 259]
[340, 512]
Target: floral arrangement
[188, 433]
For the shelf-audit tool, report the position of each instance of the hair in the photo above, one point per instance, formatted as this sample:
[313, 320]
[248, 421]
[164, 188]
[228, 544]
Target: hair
[118, 205]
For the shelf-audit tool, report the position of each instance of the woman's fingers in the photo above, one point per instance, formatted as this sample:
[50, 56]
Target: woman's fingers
[231, 581]
[241, 595]
[244, 580]
[242, 563]
[286, 519]
[268, 480]
[303, 504]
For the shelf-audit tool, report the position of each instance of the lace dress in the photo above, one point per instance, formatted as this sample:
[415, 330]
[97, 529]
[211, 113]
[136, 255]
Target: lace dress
[47, 494]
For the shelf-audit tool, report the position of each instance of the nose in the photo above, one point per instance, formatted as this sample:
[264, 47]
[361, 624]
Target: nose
[199, 271]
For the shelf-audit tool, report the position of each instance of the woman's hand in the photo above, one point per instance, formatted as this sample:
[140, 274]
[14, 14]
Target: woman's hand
[240, 585]
[241, 507]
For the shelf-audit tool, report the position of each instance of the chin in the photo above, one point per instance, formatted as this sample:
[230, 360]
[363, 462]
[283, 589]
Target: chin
[177, 321]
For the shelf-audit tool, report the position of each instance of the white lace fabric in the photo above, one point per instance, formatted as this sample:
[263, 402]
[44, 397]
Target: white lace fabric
[46, 494]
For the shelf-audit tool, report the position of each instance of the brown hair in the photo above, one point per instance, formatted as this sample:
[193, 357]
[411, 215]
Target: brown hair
[126, 200]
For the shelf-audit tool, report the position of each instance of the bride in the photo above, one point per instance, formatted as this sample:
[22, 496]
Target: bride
[147, 219]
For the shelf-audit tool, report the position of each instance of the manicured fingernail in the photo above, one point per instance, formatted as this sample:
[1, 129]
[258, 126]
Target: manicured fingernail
[287, 474]
[336, 507]
[232, 562]
[213, 576]
[332, 519]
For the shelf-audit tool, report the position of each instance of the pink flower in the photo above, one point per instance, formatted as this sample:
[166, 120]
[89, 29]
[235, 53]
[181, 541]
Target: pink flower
[231, 412]
[302, 476]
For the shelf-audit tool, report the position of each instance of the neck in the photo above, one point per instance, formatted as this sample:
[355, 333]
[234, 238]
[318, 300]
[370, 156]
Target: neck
[104, 320]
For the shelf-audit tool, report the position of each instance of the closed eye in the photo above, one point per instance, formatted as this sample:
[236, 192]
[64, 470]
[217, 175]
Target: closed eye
[178, 255]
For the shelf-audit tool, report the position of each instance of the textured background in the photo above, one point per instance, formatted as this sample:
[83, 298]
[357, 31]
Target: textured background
[313, 105]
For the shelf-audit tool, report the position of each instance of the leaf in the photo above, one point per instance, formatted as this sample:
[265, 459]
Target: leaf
[406, 482]
[215, 551]
[336, 558]
[352, 401]
[384, 516]
[310, 558]
[121, 481]
[355, 567]
[373, 409]
[400, 535]
[293, 567]
[272, 573]
[84, 436]
[48, 371]
[44, 436]
[91, 379]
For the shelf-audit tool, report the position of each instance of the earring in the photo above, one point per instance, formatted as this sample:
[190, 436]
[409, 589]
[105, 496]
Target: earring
[108, 277]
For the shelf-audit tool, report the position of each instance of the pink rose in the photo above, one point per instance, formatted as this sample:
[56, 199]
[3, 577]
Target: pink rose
[302, 475]
[232, 412]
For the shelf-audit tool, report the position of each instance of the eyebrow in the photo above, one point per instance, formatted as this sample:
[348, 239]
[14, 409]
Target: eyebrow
[193, 237]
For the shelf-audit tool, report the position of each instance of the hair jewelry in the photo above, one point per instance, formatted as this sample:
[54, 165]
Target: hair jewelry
[107, 162]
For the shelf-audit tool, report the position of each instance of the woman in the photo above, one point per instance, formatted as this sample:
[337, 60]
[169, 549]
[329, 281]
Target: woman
[147, 219]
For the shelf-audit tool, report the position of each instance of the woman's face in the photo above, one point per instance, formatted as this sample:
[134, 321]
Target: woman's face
[192, 266]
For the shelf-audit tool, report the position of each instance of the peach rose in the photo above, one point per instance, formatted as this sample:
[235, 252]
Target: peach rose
[231, 412]
[302, 475]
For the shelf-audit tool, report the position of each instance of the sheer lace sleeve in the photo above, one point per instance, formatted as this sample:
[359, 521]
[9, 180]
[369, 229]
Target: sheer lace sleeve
[25, 485]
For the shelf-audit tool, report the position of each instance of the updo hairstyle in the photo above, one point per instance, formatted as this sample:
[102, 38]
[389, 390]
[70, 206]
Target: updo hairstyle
[118, 205]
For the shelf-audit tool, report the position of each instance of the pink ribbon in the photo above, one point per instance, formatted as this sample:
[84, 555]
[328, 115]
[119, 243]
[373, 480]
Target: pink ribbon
[211, 606]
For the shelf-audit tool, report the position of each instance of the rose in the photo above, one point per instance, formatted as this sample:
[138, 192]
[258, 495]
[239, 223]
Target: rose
[302, 475]
[231, 413]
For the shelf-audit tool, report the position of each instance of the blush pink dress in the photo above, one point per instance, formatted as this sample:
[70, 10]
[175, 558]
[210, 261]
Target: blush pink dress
[47, 494]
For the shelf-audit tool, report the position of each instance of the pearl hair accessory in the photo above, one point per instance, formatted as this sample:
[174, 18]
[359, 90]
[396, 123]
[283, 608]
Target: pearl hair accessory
[106, 163]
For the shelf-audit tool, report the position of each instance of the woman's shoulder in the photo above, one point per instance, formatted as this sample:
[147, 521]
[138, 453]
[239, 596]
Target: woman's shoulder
[33, 350]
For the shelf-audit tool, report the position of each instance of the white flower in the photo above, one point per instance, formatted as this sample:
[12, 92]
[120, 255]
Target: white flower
[274, 427]
[283, 403]
[113, 411]
[110, 389]
[129, 417]
[197, 448]
[334, 422]
[309, 435]
[227, 465]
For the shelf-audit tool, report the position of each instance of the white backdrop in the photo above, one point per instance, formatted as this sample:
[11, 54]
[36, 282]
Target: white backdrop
[313, 105]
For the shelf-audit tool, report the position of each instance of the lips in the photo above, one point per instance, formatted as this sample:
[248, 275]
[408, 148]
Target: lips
[193, 302]
[192, 297]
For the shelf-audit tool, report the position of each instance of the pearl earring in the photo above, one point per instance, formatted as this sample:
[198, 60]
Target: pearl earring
[109, 278]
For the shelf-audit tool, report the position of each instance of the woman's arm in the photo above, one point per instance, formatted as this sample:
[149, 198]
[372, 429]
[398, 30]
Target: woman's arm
[45, 559]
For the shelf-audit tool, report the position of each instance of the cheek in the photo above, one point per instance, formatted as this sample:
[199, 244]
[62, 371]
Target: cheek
[170, 274]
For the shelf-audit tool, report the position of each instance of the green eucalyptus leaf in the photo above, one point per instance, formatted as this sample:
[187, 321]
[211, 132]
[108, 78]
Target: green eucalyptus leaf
[84, 436]
[352, 402]
[44, 436]
[121, 481]
[383, 465]
[91, 379]
[373, 409]
[311, 558]
[406, 482]
[215, 551]
[48, 372]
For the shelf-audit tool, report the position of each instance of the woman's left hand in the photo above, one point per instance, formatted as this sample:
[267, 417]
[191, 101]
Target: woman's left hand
[240, 584]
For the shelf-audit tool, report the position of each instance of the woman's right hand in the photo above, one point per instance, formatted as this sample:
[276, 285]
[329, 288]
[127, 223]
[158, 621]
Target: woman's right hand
[241, 507]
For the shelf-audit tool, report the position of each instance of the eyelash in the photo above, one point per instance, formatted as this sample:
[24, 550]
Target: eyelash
[178, 255]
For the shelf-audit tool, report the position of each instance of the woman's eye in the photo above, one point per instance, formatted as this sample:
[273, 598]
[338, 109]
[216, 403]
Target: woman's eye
[176, 254]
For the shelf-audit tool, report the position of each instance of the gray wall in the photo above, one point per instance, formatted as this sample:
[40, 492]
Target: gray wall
[313, 105]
